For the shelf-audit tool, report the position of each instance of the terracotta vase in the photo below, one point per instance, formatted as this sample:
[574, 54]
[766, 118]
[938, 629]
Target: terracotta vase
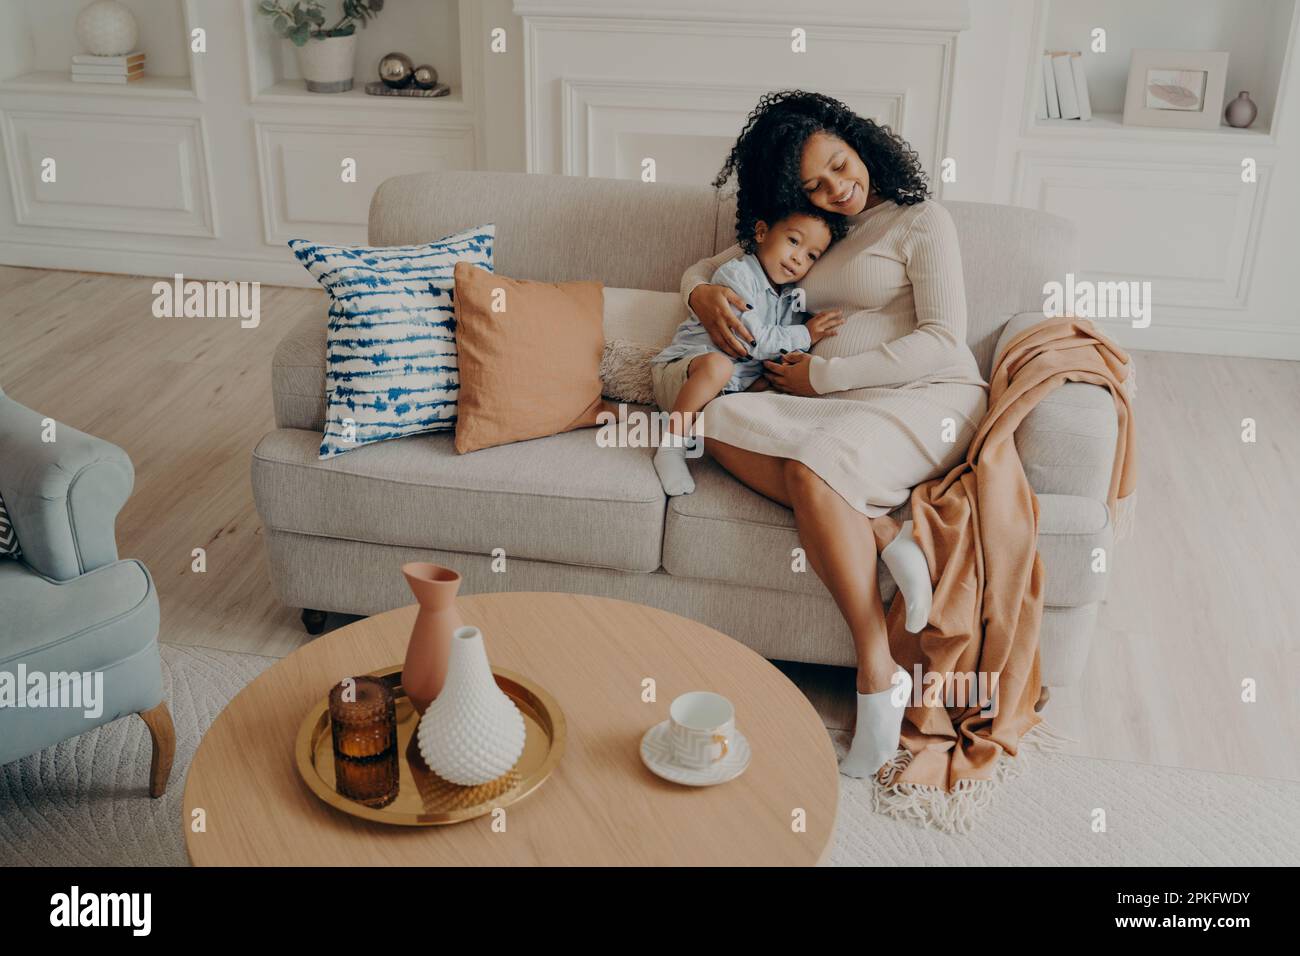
[425, 668]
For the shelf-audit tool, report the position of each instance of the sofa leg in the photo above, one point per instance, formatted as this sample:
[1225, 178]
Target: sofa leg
[313, 621]
[1043, 697]
[159, 721]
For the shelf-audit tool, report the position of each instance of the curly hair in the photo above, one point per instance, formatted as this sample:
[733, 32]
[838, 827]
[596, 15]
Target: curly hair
[837, 224]
[766, 157]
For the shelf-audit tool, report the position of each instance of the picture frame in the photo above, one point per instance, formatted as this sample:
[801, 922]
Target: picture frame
[1176, 88]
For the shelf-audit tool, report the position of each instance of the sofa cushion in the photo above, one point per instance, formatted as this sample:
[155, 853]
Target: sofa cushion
[725, 532]
[561, 498]
[76, 624]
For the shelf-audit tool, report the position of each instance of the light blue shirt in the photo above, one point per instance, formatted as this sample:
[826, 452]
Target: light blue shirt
[774, 322]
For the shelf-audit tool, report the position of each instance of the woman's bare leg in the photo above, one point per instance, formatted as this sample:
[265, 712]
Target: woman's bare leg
[840, 543]
[841, 547]
[763, 473]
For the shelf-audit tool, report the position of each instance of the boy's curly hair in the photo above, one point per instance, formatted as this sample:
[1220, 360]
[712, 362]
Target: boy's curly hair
[765, 159]
[837, 224]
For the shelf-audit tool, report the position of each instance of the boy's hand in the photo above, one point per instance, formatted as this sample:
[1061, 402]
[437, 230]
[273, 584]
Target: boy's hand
[824, 324]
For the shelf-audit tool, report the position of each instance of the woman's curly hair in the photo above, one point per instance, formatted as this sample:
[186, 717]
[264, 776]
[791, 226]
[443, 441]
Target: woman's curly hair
[765, 159]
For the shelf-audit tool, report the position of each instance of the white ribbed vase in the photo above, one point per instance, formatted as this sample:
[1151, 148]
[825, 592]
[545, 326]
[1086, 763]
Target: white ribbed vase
[472, 733]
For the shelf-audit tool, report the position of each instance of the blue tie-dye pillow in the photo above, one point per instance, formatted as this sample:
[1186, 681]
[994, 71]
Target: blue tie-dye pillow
[390, 367]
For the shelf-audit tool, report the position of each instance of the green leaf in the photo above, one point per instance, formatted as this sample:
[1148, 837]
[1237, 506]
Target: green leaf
[300, 34]
[268, 6]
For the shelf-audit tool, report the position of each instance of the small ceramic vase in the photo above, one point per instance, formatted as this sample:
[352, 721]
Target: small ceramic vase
[1242, 111]
[472, 733]
[425, 667]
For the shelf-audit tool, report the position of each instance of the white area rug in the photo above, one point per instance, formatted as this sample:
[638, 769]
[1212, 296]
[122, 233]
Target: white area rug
[84, 802]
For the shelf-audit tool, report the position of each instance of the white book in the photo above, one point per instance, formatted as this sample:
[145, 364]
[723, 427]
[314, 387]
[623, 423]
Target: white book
[1040, 98]
[1065, 86]
[84, 70]
[1049, 85]
[89, 59]
[1081, 86]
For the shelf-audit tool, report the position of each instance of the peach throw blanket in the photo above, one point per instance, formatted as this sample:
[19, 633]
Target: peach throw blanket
[978, 527]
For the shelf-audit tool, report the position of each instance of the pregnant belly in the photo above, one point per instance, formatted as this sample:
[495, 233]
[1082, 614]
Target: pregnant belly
[863, 331]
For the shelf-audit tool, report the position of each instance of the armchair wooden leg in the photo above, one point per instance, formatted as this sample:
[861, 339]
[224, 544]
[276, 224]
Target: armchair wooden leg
[159, 721]
[1043, 697]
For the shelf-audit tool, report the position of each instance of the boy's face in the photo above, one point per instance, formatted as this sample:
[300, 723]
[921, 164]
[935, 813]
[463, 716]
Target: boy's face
[788, 248]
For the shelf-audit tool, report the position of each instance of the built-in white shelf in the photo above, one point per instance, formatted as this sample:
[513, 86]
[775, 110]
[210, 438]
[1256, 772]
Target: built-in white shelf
[293, 92]
[57, 81]
[1255, 35]
[39, 40]
[1111, 125]
[428, 31]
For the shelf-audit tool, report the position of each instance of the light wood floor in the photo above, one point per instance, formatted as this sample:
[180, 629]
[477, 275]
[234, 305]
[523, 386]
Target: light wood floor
[1204, 596]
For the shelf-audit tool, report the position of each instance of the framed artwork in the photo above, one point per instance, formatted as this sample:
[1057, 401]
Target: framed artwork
[1180, 88]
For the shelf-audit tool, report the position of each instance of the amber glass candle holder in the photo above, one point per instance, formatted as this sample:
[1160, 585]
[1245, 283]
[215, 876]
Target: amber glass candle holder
[365, 741]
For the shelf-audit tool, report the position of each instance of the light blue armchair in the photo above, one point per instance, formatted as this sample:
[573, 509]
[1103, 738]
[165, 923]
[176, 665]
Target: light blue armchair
[67, 604]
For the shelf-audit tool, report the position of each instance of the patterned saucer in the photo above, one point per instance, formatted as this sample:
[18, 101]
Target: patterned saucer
[656, 753]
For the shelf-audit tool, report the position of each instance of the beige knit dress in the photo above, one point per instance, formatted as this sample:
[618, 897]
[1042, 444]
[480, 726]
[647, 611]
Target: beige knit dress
[899, 392]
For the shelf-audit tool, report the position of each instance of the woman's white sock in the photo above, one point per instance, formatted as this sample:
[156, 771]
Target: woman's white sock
[877, 730]
[907, 564]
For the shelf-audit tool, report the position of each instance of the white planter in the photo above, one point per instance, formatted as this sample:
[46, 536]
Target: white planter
[472, 733]
[327, 64]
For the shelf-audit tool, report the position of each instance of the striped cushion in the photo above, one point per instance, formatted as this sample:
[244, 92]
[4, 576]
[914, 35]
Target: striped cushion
[391, 353]
[8, 537]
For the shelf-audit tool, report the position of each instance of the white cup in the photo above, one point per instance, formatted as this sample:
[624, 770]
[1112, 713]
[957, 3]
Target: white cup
[702, 725]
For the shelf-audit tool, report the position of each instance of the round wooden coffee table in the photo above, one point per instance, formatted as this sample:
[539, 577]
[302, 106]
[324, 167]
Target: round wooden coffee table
[601, 806]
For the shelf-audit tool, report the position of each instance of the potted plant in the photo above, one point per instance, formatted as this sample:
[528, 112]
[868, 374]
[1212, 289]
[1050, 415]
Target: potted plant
[325, 54]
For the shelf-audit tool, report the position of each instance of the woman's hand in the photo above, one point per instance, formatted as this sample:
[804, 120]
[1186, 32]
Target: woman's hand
[716, 307]
[791, 375]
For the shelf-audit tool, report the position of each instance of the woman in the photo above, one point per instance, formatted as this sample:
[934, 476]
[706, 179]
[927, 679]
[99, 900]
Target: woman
[891, 401]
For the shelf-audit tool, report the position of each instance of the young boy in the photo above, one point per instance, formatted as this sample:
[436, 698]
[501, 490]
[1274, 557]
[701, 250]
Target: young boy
[691, 371]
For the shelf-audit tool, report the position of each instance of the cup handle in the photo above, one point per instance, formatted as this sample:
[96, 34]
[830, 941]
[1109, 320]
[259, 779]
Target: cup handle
[720, 739]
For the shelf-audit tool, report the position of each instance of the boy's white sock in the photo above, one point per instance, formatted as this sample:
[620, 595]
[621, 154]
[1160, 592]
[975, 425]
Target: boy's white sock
[670, 464]
[907, 564]
[878, 726]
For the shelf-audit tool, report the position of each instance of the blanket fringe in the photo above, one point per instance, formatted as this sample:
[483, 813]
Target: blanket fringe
[956, 810]
[951, 811]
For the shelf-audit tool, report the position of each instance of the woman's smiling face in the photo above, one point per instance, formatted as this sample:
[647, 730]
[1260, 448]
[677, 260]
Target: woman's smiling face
[833, 175]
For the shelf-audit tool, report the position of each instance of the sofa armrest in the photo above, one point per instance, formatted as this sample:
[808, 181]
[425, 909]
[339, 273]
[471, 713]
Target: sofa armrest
[63, 496]
[1067, 443]
[298, 376]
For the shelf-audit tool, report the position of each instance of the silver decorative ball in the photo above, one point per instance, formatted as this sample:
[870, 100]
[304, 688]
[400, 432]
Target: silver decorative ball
[396, 70]
[426, 77]
[106, 28]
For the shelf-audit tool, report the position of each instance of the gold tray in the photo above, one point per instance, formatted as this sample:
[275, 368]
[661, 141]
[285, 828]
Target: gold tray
[424, 798]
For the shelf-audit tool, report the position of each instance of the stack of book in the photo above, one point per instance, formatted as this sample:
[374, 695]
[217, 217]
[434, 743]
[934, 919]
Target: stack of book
[107, 69]
[1063, 92]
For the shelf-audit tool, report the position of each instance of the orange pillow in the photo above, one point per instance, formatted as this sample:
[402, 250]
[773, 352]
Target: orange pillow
[529, 356]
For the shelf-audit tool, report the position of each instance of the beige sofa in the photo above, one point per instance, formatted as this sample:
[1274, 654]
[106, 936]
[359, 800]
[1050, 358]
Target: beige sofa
[571, 516]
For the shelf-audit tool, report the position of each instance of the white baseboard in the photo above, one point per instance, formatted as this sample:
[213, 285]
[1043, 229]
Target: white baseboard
[1208, 338]
[276, 267]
